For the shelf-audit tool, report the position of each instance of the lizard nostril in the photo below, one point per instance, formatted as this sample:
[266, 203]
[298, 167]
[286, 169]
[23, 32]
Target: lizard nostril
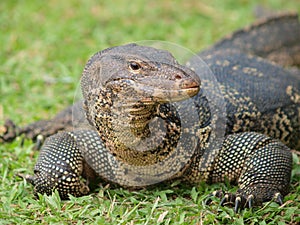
[178, 77]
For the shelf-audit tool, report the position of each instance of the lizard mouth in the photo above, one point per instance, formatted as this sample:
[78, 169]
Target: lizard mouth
[191, 88]
[174, 93]
[171, 90]
[149, 90]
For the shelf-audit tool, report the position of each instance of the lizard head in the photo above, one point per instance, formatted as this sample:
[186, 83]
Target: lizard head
[127, 89]
[144, 73]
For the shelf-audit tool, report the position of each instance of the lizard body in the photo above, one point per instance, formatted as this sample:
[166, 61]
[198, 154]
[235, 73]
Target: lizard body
[126, 88]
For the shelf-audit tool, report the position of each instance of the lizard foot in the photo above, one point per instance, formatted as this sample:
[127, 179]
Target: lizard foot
[8, 131]
[240, 200]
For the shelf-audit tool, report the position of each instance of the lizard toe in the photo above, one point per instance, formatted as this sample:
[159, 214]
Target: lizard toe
[278, 198]
[249, 201]
[239, 200]
[39, 142]
[217, 194]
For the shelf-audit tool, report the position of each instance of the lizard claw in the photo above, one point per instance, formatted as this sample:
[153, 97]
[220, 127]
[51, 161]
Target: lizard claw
[249, 201]
[237, 204]
[39, 142]
[239, 201]
[224, 200]
[28, 178]
[228, 199]
[208, 200]
[278, 198]
[217, 194]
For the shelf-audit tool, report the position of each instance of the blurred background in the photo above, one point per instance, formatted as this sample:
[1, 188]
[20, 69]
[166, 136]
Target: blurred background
[44, 45]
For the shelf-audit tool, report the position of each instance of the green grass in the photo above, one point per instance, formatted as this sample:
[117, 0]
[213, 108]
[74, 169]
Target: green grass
[44, 46]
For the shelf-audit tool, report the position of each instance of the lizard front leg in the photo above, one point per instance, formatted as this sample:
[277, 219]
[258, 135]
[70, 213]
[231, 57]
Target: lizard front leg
[61, 167]
[260, 165]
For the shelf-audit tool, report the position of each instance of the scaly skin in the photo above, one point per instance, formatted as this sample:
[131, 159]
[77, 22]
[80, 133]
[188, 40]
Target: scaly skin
[259, 164]
[118, 102]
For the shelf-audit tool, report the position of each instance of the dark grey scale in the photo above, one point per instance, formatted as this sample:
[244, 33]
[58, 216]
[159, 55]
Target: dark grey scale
[275, 114]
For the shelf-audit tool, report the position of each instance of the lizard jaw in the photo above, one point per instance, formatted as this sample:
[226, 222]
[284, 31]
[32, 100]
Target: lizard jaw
[152, 92]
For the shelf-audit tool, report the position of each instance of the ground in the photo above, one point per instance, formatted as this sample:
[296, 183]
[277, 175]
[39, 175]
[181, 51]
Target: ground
[44, 47]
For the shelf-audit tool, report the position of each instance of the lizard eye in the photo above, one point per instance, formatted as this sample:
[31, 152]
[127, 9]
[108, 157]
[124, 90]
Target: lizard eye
[134, 66]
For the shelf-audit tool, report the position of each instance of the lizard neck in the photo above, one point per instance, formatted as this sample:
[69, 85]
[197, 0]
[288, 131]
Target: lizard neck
[134, 132]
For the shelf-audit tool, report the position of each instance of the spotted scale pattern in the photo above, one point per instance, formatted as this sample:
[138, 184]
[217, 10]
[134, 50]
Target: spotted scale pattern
[59, 167]
[253, 160]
